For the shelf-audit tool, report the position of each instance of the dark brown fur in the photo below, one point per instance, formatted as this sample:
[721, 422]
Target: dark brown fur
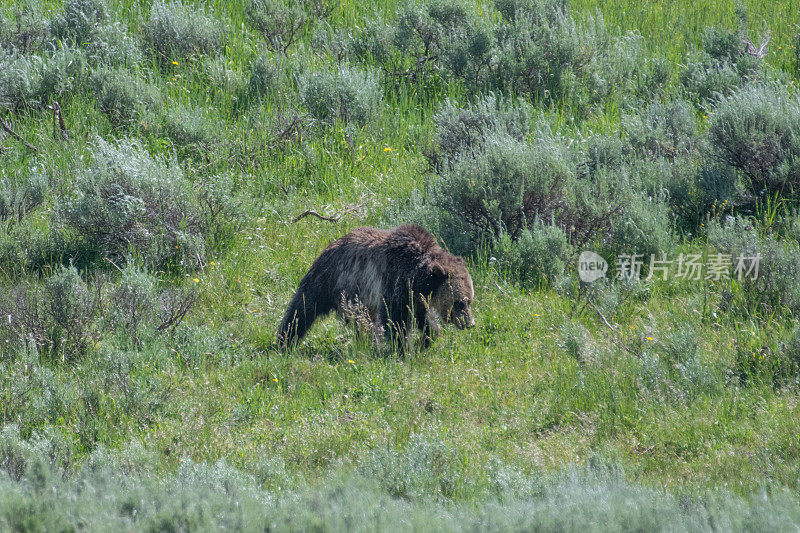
[397, 276]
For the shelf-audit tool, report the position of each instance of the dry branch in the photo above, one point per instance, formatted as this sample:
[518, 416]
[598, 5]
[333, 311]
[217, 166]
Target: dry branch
[11, 132]
[59, 127]
[346, 210]
[761, 51]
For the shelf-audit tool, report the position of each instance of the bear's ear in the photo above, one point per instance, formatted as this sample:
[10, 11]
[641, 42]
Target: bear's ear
[433, 275]
[437, 273]
[437, 270]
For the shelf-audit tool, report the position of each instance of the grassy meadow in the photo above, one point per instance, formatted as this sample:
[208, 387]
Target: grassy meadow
[155, 163]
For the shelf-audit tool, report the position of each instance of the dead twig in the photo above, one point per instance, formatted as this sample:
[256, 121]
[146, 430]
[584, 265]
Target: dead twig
[174, 305]
[59, 127]
[11, 132]
[346, 210]
[617, 342]
[602, 317]
[761, 51]
[113, 263]
[315, 214]
[289, 129]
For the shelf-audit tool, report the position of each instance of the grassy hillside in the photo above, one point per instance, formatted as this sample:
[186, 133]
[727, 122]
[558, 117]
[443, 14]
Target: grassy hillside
[151, 236]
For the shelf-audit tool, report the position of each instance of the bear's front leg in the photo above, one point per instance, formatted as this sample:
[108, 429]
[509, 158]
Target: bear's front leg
[379, 330]
[426, 322]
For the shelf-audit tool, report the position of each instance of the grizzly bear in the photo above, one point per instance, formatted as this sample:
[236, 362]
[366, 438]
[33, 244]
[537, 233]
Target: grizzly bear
[399, 277]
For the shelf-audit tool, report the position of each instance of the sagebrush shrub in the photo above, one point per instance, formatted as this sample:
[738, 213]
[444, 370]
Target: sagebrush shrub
[29, 81]
[544, 54]
[27, 319]
[775, 287]
[663, 156]
[576, 341]
[431, 40]
[79, 20]
[426, 467]
[112, 45]
[132, 301]
[445, 35]
[265, 77]
[62, 73]
[189, 126]
[26, 30]
[463, 130]
[127, 201]
[225, 80]
[509, 184]
[775, 363]
[178, 31]
[282, 24]
[18, 199]
[756, 131]
[537, 257]
[348, 94]
[26, 245]
[643, 227]
[721, 66]
[72, 309]
[374, 43]
[222, 212]
[124, 97]
[20, 80]
[666, 130]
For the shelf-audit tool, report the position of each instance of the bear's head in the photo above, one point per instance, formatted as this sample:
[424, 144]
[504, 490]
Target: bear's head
[452, 299]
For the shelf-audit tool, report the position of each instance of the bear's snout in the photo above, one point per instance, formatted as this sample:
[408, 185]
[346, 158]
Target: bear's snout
[465, 322]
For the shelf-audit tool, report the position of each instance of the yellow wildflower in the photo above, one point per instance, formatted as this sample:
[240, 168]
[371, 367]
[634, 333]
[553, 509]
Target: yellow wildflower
[174, 62]
[196, 280]
[351, 361]
[387, 149]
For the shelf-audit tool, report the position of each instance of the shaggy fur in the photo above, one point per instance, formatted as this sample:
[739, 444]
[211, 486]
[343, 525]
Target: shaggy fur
[399, 277]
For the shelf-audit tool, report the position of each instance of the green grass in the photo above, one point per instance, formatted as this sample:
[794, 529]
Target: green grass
[672, 28]
[218, 392]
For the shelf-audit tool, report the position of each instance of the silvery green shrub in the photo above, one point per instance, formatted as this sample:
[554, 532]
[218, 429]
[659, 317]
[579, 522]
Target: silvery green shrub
[189, 126]
[775, 287]
[132, 300]
[348, 94]
[31, 81]
[25, 30]
[508, 184]
[756, 132]
[283, 24]
[643, 227]
[124, 97]
[72, 310]
[545, 55]
[461, 130]
[78, 20]
[112, 45]
[127, 201]
[265, 76]
[537, 257]
[18, 197]
[720, 66]
[177, 31]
